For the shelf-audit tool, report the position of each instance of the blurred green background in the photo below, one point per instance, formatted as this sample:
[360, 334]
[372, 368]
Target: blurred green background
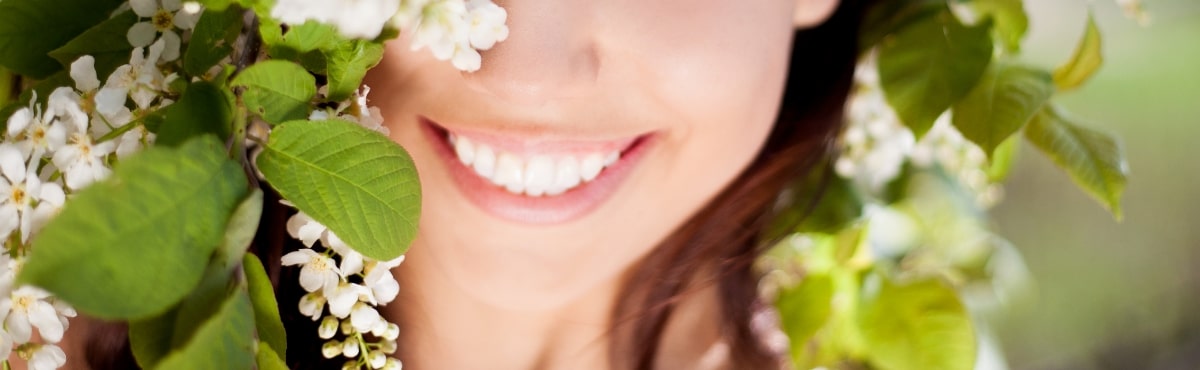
[1114, 295]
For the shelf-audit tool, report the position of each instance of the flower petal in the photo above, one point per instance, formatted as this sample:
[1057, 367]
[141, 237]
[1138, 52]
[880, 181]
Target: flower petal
[298, 257]
[144, 8]
[19, 121]
[83, 71]
[171, 48]
[141, 34]
[171, 5]
[186, 20]
[43, 316]
[12, 163]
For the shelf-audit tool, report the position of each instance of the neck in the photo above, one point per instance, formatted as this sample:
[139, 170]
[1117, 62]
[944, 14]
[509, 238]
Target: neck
[445, 327]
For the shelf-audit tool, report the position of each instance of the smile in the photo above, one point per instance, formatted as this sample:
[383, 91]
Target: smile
[528, 181]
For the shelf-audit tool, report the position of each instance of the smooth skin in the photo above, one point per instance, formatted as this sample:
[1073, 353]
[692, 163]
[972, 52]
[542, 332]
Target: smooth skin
[704, 76]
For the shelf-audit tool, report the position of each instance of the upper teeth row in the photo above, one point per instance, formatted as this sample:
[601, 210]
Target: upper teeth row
[535, 176]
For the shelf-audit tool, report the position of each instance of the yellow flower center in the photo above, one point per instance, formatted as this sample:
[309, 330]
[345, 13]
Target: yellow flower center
[163, 20]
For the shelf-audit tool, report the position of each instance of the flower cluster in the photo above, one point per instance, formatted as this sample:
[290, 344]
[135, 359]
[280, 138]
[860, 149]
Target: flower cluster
[876, 144]
[60, 144]
[351, 286]
[453, 30]
[50, 151]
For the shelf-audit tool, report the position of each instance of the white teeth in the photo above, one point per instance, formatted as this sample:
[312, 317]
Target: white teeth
[464, 149]
[510, 173]
[537, 176]
[484, 161]
[590, 167]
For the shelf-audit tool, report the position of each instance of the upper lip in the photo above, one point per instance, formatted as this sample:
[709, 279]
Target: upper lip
[541, 142]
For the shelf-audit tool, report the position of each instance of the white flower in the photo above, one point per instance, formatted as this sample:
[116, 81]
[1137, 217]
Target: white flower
[165, 16]
[352, 262]
[140, 80]
[487, 24]
[304, 228]
[365, 318]
[454, 30]
[105, 105]
[380, 280]
[20, 190]
[133, 141]
[47, 357]
[317, 272]
[28, 308]
[343, 297]
[357, 19]
[82, 160]
[36, 133]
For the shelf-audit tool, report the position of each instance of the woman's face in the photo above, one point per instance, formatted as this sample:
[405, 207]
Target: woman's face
[586, 138]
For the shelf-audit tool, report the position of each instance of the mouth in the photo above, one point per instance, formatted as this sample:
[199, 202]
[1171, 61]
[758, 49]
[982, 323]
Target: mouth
[535, 181]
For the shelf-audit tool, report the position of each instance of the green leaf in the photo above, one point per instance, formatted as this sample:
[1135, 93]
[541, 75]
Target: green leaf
[241, 228]
[927, 67]
[804, 309]
[277, 90]
[203, 109]
[7, 80]
[1087, 59]
[105, 42]
[145, 234]
[886, 17]
[357, 182]
[348, 64]
[1004, 101]
[1094, 159]
[916, 325]
[267, 359]
[266, 309]
[223, 341]
[30, 29]
[1010, 18]
[150, 338]
[1003, 159]
[821, 202]
[299, 43]
[212, 39]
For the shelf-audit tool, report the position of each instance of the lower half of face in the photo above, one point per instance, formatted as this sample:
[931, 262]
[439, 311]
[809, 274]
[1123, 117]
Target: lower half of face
[586, 138]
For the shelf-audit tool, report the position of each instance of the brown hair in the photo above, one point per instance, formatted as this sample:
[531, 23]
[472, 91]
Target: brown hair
[726, 237]
[722, 241]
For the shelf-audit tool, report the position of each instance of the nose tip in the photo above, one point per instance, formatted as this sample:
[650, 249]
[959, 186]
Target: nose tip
[548, 55]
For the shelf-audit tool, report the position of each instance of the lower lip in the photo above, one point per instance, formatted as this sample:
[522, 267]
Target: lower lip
[566, 207]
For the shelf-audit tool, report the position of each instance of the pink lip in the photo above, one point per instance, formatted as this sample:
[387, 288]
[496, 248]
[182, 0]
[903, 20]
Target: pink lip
[562, 208]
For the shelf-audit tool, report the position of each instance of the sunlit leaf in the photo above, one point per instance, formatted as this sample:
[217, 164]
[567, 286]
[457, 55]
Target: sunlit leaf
[277, 90]
[916, 325]
[266, 310]
[1005, 99]
[145, 234]
[348, 64]
[359, 183]
[1083, 64]
[930, 65]
[1094, 159]
[212, 39]
[804, 309]
[223, 341]
[1011, 21]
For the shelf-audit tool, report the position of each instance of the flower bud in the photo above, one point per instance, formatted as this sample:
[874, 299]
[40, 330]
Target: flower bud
[377, 359]
[331, 349]
[328, 328]
[350, 347]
